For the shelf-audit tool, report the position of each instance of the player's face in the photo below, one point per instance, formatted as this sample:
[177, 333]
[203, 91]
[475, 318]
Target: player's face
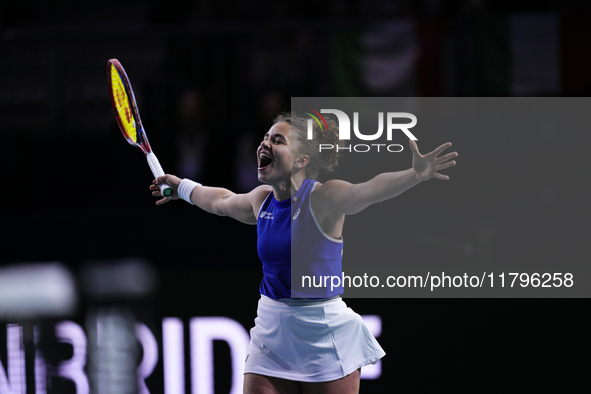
[274, 154]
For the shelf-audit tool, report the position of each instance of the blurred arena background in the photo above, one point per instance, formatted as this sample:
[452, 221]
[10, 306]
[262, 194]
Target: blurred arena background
[209, 78]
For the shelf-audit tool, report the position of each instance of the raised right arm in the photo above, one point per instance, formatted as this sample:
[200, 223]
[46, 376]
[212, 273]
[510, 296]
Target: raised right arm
[217, 200]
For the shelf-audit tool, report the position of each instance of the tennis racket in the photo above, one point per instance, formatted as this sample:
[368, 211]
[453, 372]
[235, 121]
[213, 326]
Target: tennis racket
[128, 117]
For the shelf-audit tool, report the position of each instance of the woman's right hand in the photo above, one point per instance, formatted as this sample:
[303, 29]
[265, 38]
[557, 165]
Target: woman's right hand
[171, 181]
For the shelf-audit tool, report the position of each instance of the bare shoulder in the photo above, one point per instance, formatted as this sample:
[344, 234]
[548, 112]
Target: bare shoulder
[323, 204]
[261, 191]
[325, 188]
[258, 195]
[324, 194]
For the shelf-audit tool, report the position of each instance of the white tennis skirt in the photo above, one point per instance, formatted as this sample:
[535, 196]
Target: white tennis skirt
[309, 340]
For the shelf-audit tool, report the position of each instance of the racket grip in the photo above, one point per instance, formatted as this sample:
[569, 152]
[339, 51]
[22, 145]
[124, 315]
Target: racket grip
[158, 171]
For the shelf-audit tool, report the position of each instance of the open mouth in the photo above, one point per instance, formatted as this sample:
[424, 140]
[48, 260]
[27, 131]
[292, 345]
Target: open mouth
[265, 161]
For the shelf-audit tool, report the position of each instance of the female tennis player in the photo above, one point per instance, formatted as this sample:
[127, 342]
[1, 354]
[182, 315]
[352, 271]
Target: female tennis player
[316, 344]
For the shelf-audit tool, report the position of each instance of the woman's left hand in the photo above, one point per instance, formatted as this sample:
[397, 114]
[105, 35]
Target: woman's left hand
[426, 166]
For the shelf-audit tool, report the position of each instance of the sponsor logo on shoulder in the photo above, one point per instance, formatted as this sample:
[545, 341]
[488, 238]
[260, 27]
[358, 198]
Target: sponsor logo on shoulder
[296, 214]
[266, 215]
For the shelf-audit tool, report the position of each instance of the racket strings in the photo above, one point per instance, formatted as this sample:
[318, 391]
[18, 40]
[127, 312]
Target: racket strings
[121, 100]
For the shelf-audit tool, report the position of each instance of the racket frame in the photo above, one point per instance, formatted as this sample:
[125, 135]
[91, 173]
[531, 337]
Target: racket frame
[141, 137]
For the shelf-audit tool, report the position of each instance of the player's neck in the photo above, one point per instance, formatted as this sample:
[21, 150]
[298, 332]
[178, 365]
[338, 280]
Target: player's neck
[285, 190]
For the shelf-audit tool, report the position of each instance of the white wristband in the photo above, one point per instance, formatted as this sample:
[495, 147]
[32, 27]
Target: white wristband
[185, 188]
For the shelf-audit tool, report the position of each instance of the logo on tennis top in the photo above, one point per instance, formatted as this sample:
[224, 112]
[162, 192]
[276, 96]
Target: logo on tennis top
[266, 215]
[296, 214]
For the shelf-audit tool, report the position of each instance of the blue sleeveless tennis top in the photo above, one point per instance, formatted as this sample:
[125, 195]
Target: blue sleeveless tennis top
[291, 244]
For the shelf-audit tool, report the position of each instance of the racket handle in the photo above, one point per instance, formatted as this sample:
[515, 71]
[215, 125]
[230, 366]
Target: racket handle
[158, 171]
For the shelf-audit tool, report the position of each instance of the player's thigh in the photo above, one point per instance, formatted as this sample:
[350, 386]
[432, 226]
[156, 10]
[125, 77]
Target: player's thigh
[259, 384]
[347, 385]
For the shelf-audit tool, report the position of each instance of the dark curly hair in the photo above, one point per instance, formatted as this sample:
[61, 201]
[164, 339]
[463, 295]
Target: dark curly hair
[320, 162]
